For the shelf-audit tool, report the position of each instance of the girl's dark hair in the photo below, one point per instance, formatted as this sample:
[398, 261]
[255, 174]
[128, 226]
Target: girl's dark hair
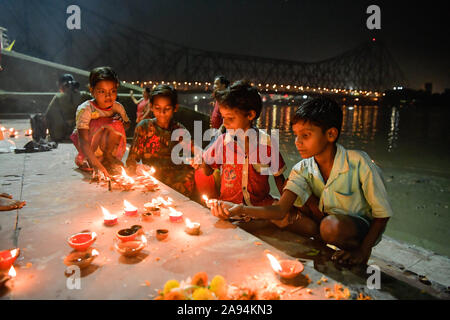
[102, 74]
[147, 89]
[241, 95]
[165, 90]
[322, 112]
[67, 81]
[223, 80]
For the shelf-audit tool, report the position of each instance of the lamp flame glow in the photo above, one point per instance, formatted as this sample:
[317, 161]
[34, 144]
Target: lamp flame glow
[107, 215]
[128, 206]
[126, 177]
[274, 263]
[12, 272]
[94, 253]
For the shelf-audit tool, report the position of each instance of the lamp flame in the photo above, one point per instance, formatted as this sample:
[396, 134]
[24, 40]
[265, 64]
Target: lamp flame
[126, 177]
[204, 197]
[107, 215]
[12, 272]
[189, 224]
[13, 252]
[94, 253]
[274, 263]
[128, 206]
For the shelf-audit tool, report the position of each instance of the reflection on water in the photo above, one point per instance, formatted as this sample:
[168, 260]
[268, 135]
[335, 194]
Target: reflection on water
[419, 141]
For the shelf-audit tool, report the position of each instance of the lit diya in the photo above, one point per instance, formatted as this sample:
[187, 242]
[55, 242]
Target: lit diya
[192, 228]
[7, 258]
[174, 215]
[29, 132]
[208, 202]
[162, 234]
[152, 208]
[287, 269]
[129, 209]
[131, 248]
[108, 218]
[129, 234]
[82, 241]
[4, 277]
[81, 259]
[165, 203]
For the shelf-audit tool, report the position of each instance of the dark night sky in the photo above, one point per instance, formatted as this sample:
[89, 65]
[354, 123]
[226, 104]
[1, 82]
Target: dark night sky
[415, 33]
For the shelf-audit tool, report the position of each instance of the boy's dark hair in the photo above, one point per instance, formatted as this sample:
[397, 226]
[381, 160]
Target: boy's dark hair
[240, 95]
[322, 112]
[148, 90]
[67, 81]
[102, 74]
[165, 90]
[222, 80]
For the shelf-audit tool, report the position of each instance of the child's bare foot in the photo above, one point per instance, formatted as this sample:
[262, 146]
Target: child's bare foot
[9, 204]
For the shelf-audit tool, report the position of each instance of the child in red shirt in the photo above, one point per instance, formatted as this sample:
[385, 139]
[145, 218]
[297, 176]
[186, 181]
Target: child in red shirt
[245, 154]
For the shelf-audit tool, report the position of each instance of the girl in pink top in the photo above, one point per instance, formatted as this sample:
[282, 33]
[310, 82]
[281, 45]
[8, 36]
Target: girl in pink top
[220, 83]
[143, 105]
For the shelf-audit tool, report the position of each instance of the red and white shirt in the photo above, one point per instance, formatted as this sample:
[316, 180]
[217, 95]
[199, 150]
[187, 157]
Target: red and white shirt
[245, 178]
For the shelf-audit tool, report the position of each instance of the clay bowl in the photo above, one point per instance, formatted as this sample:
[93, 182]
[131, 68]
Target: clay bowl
[7, 259]
[131, 248]
[153, 209]
[147, 216]
[129, 234]
[82, 241]
[162, 234]
[81, 259]
[290, 269]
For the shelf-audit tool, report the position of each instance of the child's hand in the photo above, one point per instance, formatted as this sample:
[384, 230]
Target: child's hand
[196, 163]
[356, 257]
[225, 210]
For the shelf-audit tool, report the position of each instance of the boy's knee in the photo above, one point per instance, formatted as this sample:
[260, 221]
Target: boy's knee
[330, 229]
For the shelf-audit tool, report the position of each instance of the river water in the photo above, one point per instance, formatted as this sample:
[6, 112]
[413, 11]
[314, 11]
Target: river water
[411, 146]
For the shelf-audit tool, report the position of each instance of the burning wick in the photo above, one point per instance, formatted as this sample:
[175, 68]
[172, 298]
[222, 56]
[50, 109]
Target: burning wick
[127, 178]
[12, 272]
[192, 228]
[287, 269]
[274, 263]
[7, 258]
[129, 209]
[207, 201]
[174, 215]
[164, 203]
[29, 132]
[109, 219]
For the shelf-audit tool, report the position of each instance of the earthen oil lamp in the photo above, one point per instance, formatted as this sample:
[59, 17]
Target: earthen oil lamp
[129, 234]
[152, 208]
[130, 248]
[162, 234]
[28, 133]
[82, 241]
[129, 209]
[175, 216]
[165, 203]
[12, 132]
[7, 258]
[81, 259]
[192, 228]
[287, 269]
[128, 182]
[108, 218]
[207, 201]
[4, 277]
